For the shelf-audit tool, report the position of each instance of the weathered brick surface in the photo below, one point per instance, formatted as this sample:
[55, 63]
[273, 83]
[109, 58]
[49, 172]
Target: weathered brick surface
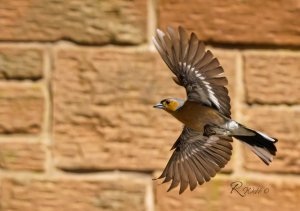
[21, 108]
[15, 155]
[235, 21]
[272, 77]
[216, 195]
[89, 21]
[21, 63]
[73, 195]
[282, 123]
[103, 115]
[100, 114]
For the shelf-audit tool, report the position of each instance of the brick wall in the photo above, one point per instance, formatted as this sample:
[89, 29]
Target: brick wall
[77, 83]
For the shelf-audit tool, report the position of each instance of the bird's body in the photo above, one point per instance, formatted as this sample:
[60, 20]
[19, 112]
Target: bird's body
[204, 145]
[196, 116]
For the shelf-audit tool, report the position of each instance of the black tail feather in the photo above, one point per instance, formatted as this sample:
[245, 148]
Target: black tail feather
[262, 145]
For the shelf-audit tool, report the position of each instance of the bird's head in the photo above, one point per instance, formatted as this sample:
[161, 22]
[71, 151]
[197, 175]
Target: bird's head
[170, 104]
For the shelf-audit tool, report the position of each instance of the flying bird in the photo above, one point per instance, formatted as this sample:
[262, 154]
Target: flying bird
[204, 145]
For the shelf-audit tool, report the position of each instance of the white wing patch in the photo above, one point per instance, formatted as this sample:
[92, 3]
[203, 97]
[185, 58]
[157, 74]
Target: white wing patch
[211, 94]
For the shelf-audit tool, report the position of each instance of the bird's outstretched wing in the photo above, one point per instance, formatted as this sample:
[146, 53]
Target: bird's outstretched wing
[195, 68]
[196, 159]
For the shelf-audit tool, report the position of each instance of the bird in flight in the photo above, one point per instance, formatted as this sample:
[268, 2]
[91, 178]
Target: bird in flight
[204, 145]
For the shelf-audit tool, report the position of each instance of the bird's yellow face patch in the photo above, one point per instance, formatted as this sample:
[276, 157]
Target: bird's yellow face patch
[170, 104]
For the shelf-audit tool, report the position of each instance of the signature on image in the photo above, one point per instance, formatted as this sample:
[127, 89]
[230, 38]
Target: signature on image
[243, 190]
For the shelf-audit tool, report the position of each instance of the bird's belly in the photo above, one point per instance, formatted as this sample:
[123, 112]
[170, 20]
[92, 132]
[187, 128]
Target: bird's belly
[196, 123]
[198, 118]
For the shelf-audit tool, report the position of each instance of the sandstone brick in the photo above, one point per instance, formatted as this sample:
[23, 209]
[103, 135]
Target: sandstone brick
[73, 195]
[21, 63]
[235, 21]
[21, 108]
[272, 77]
[103, 115]
[15, 155]
[89, 21]
[216, 195]
[282, 123]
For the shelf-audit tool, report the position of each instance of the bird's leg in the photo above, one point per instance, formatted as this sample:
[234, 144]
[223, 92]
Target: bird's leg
[208, 130]
[213, 129]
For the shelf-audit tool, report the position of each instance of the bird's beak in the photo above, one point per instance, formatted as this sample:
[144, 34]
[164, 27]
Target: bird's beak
[158, 105]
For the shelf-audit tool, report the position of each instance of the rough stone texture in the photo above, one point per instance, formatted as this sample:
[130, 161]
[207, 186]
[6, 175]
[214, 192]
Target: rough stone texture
[73, 195]
[15, 155]
[89, 21]
[280, 122]
[21, 108]
[21, 63]
[272, 77]
[216, 195]
[103, 115]
[236, 21]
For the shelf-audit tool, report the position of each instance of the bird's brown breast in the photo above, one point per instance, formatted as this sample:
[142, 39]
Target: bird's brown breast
[196, 116]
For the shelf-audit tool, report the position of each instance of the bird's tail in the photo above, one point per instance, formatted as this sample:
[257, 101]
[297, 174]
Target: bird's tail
[259, 143]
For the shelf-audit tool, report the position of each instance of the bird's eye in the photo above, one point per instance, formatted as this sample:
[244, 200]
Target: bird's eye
[167, 102]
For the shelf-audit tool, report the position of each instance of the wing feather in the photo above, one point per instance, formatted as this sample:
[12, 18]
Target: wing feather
[183, 43]
[196, 159]
[195, 68]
